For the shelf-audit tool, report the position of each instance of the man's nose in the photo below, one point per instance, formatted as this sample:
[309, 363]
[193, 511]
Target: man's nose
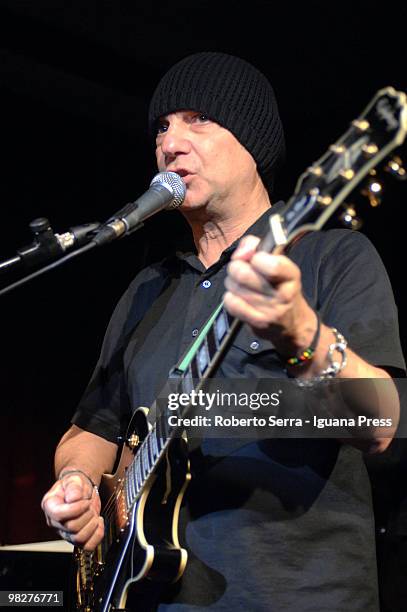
[175, 141]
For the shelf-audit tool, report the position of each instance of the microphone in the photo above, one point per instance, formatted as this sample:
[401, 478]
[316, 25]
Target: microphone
[167, 190]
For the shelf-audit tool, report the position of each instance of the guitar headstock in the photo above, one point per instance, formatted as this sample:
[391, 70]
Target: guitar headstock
[370, 139]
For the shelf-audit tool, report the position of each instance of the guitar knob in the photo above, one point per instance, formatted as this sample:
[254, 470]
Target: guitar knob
[349, 219]
[395, 167]
[373, 190]
[133, 441]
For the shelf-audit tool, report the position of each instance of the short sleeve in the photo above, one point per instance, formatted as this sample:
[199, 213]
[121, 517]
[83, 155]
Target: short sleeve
[105, 407]
[355, 295]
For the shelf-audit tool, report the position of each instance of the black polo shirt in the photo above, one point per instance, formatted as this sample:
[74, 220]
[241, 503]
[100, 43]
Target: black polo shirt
[276, 525]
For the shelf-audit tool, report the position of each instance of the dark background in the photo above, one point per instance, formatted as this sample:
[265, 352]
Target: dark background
[75, 82]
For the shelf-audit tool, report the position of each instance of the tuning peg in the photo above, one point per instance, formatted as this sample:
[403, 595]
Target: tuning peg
[370, 149]
[349, 218]
[373, 189]
[396, 168]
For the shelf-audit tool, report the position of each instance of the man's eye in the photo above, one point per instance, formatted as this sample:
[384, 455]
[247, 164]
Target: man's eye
[162, 128]
[202, 118]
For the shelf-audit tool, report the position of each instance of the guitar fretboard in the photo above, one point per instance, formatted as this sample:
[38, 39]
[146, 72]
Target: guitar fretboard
[193, 369]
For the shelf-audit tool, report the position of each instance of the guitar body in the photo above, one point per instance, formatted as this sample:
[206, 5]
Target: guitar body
[141, 542]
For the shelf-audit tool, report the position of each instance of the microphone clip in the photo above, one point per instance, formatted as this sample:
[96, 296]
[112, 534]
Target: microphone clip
[48, 246]
[45, 245]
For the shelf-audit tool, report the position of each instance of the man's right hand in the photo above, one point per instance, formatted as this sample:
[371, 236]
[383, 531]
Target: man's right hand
[72, 506]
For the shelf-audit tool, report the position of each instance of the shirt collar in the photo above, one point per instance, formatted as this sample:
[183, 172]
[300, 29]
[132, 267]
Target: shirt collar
[258, 228]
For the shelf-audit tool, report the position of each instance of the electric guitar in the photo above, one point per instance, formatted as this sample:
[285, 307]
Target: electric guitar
[142, 499]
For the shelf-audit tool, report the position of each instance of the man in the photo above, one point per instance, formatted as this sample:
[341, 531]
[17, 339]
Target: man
[269, 524]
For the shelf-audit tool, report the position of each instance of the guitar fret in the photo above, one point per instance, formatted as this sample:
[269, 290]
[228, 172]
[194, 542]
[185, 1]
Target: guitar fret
[211, 341]
[161, 432]
[158, 434]
[141, 463]
[146, 462]
[127, 486]
[221, 326]
[203, 358]
[164, 424]
[134, 487]
[150, 451]
[155, 441]
[194, 369]
[130, 479]
[139, 479]
[187, 382]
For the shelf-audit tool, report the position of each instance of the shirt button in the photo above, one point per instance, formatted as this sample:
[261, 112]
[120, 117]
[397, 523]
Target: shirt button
[195, 332]
[206, 284]
[254, 345]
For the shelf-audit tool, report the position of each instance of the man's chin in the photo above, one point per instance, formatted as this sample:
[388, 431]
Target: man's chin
[193, 201]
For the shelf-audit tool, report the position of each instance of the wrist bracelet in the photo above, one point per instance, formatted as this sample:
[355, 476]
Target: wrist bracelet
[334, 367]
[307, 353]
[63, 474]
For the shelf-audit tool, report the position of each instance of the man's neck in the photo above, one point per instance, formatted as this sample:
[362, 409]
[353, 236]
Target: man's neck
[213, 233]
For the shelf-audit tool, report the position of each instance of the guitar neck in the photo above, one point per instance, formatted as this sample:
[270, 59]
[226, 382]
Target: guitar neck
[200, 363]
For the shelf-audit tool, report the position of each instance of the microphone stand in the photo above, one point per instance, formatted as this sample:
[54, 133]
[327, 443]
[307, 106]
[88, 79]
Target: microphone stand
[50, 266]
[46, 246]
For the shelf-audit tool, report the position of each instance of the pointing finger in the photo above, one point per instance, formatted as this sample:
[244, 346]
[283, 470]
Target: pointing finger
[246, 248]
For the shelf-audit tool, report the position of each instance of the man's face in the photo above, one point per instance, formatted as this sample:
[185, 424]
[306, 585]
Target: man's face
[215, 167]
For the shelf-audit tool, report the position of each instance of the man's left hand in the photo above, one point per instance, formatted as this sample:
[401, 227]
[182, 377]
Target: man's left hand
[265, 291]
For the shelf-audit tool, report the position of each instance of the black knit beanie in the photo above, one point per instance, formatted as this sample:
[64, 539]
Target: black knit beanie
[233, 93]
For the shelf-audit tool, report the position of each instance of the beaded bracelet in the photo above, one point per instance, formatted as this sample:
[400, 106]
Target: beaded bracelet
[307, 353]
[334, 367]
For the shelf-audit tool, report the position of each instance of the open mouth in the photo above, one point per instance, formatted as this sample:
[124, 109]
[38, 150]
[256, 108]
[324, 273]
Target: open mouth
[181, 172]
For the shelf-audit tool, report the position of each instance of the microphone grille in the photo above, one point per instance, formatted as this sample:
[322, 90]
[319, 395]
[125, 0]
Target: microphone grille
[174, 183]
